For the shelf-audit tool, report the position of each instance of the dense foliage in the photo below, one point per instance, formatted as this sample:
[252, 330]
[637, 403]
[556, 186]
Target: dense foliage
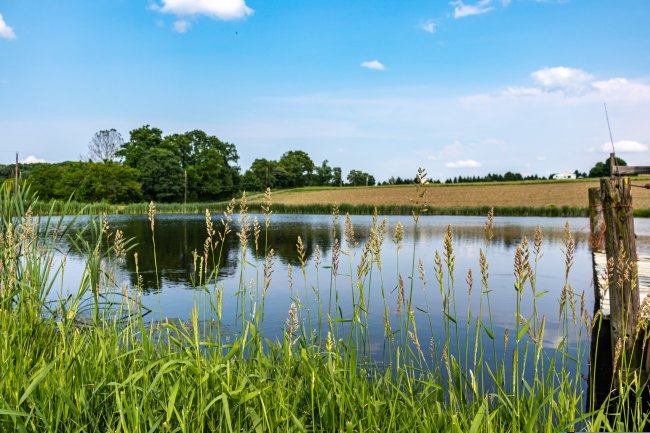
[601, 169]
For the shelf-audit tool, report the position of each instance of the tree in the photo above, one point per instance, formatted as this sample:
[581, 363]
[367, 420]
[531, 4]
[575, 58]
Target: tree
[161, 175]
[141, 140]
[298, 166]
[337, 176]
[110, 182]
[104, 145]
[601, 169]
[359, 178]
[262, 173]
[86, 182]
[324, 174]
[211, 164]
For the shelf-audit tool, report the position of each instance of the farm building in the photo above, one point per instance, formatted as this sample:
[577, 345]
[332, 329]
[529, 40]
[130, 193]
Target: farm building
[564, 175]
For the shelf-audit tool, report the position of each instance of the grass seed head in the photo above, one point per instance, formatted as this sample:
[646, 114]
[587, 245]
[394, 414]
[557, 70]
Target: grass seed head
[152, 214]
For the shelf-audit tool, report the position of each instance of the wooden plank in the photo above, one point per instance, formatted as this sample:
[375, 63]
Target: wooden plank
[631, 170]
[625, 170]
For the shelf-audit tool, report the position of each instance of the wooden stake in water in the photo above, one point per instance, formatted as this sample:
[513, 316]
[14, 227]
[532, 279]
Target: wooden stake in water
[623, 285]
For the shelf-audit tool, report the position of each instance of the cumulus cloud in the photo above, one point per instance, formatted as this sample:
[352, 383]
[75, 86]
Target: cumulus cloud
[462, 10]
[428, 26]
[463, 163]
[562, 77]
[6, 32]
[219, 9]
[375, 65]
[31, 159]
[625, 146]
[181, 26]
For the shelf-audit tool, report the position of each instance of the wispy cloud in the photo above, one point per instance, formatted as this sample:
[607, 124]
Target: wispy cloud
[31, 159]
[218, 9]
[463, 163]
[6, 32]
[375, 65]
[625, 146]
[181, 26]
[428, 26]
[462, 10]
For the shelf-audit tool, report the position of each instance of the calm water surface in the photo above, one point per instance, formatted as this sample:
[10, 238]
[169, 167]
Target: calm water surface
[177, 236]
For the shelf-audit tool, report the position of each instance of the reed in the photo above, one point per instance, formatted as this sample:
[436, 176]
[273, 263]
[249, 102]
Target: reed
[94, 361]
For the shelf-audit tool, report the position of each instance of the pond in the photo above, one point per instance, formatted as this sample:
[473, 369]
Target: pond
[179, 246]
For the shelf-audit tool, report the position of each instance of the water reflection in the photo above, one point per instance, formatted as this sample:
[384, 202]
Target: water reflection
[178, 237]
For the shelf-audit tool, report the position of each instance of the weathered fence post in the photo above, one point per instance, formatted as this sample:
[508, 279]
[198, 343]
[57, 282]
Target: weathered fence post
[596, 234]
[600, 352]
[596, 221]
[623, 281]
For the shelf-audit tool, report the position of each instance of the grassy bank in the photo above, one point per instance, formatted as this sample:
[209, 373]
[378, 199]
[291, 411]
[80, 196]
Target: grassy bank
[94, 362]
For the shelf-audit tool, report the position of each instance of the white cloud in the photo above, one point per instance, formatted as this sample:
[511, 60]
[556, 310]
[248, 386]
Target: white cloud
[375, 65]
[31, 159]
[432, 158]
[181, 26]
[6, 32]
[562, 78]
[219, 9]
[626, 146]
[428, 26]
[463, 163]
[562, 83]
[622, 89]
[462, 10]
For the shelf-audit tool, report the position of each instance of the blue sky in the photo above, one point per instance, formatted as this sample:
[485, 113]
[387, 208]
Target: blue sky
[460, 87]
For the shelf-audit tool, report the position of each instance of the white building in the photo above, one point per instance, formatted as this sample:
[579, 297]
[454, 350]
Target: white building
[564, 175]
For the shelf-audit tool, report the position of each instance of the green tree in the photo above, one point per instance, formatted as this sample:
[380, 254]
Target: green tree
[86, 182]
[324, 174]
[337, 176]
[45, 179]
[141, 140]
[110, 182]
[298, 166]
[161, 175]
[211, 164]
[359, 178]
[263, 173]
[601, 169]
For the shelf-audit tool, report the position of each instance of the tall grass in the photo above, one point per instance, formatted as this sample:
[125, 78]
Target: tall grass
[92, 361]
[59, 207]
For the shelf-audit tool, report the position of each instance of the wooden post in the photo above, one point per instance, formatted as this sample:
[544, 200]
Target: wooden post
[596, 235]
[596, 221]
[623, 286]
[613, 167]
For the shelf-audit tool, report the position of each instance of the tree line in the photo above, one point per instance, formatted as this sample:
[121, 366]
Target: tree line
[192, 166]
[195, 166]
